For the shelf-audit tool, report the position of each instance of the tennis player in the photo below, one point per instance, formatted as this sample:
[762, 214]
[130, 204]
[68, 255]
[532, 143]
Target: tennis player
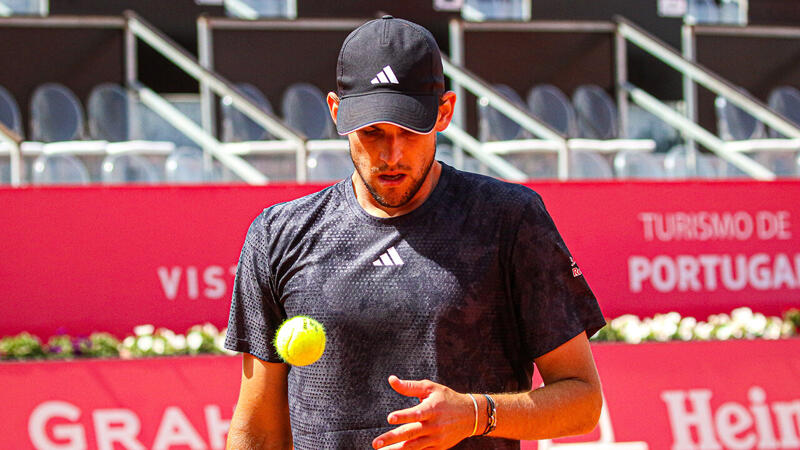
[439, 289]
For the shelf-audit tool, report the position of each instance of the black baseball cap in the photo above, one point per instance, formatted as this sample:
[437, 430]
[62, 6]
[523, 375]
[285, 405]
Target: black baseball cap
[389, 70]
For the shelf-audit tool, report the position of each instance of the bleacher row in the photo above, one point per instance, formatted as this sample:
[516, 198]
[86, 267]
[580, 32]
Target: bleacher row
[117, 139]
[592, 114]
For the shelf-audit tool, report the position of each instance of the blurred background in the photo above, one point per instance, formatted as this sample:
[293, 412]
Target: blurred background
[139, 138]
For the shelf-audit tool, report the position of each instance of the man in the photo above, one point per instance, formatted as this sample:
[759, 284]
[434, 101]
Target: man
[438, 289]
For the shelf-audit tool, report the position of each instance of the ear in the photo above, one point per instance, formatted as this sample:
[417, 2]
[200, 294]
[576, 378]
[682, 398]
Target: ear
[446, 107]
[333, 105]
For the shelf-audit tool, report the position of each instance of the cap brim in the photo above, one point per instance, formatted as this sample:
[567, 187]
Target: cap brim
[416, 113]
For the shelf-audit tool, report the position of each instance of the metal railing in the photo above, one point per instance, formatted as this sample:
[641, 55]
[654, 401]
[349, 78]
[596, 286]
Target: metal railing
[13, 141]
[628, 32]
[455, 133]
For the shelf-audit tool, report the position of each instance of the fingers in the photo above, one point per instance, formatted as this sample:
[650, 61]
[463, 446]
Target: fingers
[398, 435]
[411, 388]
[416, 413]
[422, 443]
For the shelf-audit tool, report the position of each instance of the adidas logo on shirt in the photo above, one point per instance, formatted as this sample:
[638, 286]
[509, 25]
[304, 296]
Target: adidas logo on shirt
[385, 76]
[389, 258]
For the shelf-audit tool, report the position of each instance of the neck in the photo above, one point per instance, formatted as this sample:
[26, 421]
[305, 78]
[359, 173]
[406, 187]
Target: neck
[372, 207]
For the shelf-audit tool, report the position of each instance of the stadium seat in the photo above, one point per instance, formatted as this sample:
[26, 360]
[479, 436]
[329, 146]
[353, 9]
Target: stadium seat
[548, 104]
[596, 113]
[703, 11]
[676, 167]
[56, 114]
[629, 164]
[9, 112]
[305, 109]
[24, 8]
[496, 126]
[785, 100]
[185, 165]
[734, 124]
[108, 110]
[480, 10]
[588, 165]
[329, 165]
[254, 9]
[59, 169]
[644, 125]
[129, 168]
[238, 127]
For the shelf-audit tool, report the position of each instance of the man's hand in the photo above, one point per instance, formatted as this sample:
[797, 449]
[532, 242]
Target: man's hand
[441, 420]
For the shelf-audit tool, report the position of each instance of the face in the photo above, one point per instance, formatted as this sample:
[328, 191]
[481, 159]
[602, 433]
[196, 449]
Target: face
[395, 166]
[392, 162]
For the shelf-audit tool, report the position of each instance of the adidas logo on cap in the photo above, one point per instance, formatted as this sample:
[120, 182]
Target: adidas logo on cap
[385, 76]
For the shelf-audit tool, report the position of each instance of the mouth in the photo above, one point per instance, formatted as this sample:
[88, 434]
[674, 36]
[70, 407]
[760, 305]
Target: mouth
[392, 179]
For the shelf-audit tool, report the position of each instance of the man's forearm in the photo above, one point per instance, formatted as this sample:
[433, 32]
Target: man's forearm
[239, 439]
[563, 408]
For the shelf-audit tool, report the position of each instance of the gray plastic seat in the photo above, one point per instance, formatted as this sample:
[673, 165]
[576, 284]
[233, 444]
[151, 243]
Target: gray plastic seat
[496, 126]
[129, 168]
[588, 165]
[238, 127]
[253, 9]
[9, 112]
[305, 109]
[596, 113]
[480, 10]
[638, 165]
[676, 166]
[786, 101]
[782, 164]
[185, 165]
[703, 11]
[734, 124]
[59, 169]
[329, 165]
[56, 114]
[108, 110]
[149, 126]
[548, 104]
[644, 125]
[25, 7]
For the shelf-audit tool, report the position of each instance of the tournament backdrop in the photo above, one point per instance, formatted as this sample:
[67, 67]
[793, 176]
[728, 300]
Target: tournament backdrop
[693, 395]
[109, 258]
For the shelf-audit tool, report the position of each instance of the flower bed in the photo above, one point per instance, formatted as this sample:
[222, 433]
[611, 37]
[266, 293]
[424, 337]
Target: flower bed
[147, 340]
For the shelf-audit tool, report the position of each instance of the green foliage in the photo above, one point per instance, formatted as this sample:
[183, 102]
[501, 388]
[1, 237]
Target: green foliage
[21, 346]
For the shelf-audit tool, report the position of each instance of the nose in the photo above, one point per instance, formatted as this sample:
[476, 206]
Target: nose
[392, 151]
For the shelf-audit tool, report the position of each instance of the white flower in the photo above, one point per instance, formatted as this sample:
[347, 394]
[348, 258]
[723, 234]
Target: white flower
[128, 342]
[787, 329]
[724, 332]
[756, 325]
[210, 329]
[703, 331]
[166, 333]
[194, 340]
[663, 326]
[178, 342]
[773, 328]
[144, 330]
[145, 343]
[159, 346]
[686, 328]
[742, 315]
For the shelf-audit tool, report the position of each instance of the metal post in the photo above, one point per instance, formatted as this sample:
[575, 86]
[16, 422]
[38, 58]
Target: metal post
[621, 73]
[459, 114]
[208, 116]
[689, 95]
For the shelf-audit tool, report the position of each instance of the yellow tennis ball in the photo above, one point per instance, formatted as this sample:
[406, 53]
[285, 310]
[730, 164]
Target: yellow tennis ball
[300, 340]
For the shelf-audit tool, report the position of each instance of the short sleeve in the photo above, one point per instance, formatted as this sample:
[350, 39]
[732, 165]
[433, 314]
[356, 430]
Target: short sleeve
[255, 313]
[551, 295]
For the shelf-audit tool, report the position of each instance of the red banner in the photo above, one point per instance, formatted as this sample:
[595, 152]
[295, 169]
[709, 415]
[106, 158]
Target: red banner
[698, 395]
[110, 258]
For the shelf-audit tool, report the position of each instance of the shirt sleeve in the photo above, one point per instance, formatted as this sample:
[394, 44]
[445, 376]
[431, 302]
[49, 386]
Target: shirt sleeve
[553, 300]
[255, 313]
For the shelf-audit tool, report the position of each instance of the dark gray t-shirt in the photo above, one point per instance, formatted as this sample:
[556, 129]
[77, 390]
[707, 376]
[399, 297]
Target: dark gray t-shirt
[466, 290]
